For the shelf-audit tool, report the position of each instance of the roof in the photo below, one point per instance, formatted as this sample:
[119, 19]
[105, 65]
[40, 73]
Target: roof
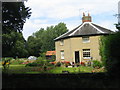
[85, 29]
[50, 53]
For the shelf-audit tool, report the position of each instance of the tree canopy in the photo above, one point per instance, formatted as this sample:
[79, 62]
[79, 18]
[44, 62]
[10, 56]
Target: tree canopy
[43, 40]
[14, 16]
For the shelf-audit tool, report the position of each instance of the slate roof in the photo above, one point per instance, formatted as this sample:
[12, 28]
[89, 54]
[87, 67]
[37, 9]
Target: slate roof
[85, 29]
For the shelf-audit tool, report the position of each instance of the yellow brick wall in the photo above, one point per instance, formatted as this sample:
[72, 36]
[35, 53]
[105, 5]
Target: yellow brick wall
[76, 44]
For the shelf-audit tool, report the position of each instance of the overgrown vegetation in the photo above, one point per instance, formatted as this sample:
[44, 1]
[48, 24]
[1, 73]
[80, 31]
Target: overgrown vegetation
[97, 64]
[110, 47]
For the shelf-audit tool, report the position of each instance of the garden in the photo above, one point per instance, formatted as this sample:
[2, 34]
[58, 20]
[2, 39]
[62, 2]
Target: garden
[40, 66]
[51, 74]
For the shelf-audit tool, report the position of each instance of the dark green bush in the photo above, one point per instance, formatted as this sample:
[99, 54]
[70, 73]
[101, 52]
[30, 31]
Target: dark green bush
[32, 64]
[58, 64]
[97, 64]
[110, 52]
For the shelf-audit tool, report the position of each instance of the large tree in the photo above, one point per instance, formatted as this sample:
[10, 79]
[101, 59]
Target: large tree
[43, 40]
[14, 16]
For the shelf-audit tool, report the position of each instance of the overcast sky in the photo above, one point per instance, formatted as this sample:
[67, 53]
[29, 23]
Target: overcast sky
[51, 12]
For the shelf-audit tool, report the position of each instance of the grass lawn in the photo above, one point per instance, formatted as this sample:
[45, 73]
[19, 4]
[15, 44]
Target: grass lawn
[80, 69]
[20, 76]
[21, 69]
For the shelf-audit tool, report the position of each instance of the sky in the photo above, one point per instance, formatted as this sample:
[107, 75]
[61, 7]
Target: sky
[47, 13]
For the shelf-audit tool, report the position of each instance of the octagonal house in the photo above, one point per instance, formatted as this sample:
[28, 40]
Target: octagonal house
[82, 43]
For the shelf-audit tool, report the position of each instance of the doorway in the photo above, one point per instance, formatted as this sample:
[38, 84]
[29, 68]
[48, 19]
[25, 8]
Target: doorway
[77, 57]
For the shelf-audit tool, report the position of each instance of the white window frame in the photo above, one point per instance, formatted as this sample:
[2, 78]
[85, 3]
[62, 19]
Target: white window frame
[88, 52]
[62, 54]
[61, 42]
[86, 39]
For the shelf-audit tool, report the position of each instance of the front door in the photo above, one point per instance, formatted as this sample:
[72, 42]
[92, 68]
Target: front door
[77, 59]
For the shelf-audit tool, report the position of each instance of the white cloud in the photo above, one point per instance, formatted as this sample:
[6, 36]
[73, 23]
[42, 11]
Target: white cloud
[32, 26]
[69, 8]
[59, 10]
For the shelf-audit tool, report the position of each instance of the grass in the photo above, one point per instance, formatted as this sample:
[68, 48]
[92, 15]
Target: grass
[19, 76]
[80, 69]
[17, 69]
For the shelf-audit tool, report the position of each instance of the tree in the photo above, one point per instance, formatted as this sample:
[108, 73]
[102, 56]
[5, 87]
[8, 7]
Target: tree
[33, 46]
[14, 16]
[43, 40]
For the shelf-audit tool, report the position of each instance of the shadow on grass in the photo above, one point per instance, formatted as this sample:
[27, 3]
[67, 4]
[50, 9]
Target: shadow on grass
[81, 80]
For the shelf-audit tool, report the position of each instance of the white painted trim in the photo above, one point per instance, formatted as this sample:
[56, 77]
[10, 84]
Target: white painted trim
[97, 28]
[62, 35]
[79, 28]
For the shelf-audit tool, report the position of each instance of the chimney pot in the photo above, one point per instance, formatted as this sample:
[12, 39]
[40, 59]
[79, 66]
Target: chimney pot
[86, 18]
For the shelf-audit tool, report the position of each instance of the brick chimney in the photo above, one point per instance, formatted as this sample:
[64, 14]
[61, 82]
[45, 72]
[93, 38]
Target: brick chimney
[86, 18]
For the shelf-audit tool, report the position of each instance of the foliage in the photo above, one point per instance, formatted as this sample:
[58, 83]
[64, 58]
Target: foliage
[97, 64]
[110, 47]
[118, 26]
[14, 16]
[58, 64]
[15, 62]
[13, 45]
[33, 46]
[43, 40]
[32, 64]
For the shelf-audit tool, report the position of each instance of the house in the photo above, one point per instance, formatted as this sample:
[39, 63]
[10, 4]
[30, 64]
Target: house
[50, 54]
[82, 43]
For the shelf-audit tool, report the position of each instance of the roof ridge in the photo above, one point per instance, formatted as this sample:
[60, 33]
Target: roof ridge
[96, 28]
[79, 28]
[66, 32]
[102, 27]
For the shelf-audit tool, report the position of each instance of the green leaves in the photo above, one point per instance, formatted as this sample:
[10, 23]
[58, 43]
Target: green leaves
[43, 40]
[14, 16]
[110, 48]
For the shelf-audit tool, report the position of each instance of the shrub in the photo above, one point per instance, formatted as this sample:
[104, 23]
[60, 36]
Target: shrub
[97, 64]
[37, 63]
[32, 64]
[110, 47]
[58, 64]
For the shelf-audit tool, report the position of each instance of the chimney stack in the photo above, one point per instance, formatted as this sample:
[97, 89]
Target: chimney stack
[86, 18]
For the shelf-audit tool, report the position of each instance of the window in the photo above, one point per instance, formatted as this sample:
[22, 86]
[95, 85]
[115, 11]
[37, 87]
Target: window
[62, 54]
[86, 53]
[61, 42]
[85, 39]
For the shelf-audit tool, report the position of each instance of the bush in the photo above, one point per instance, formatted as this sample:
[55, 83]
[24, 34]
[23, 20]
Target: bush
[32, 64]
[97, 64]
[37, 63]
[58, 64]
[110, 47]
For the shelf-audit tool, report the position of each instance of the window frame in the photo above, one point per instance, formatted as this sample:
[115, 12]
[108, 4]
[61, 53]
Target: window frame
[62, 54]
[86, 53]
[86, 39]
[61, 42]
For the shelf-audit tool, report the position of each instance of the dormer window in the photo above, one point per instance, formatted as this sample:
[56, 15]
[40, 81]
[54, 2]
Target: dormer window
[85, 39]
[62, 42]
